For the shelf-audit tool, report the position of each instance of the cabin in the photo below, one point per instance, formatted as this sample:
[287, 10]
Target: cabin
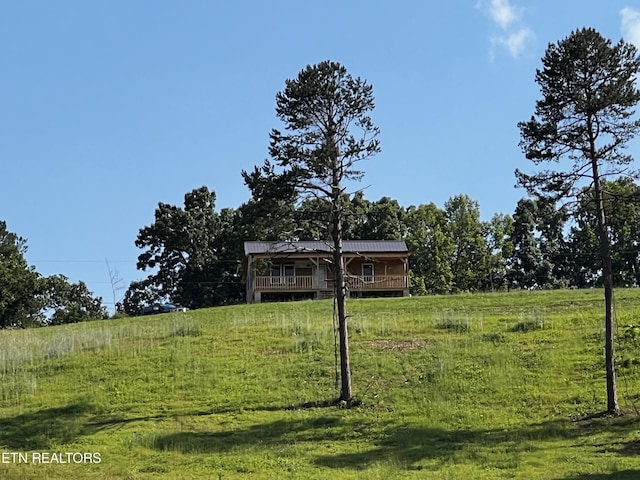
[287, 270]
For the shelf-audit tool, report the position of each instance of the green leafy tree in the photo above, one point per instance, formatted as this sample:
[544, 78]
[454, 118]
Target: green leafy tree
[188, 249]
[550, 223]
[356, 212]
[469, 262]
[312, 219]
[540, 255]
[19, 283]
[621, 199]
[68, 302]
[527, 267]
[270, 214]
[139, 294]
[585, 260]
[328, 130]
[363, 219]
[497, 234]
[217, 281]
[27, 299]
[384, 221]
[431, 246]
[229, 245]
[582, 123]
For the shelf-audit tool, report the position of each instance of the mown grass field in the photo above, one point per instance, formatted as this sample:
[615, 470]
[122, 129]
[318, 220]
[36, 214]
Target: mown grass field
[473, 386]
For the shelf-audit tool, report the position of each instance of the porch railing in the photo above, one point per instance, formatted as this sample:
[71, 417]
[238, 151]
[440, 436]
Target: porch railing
[310, 282]
[285, 283]
[377, 282]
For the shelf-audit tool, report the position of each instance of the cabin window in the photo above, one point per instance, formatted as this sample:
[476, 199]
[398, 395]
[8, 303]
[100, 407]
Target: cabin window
[367, 272]
[289, 271]
[275, 274]
[283, 273]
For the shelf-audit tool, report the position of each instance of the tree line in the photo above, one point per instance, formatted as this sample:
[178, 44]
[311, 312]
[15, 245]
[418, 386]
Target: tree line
[29, 299]
[195, 252]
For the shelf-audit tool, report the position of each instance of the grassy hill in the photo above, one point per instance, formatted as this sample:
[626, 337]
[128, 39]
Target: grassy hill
[472, 386]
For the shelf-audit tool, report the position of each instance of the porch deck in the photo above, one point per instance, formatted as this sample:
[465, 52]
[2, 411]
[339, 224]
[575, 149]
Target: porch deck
[310, 283]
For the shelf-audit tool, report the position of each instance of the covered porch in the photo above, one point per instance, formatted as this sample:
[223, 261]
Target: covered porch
[294, 270]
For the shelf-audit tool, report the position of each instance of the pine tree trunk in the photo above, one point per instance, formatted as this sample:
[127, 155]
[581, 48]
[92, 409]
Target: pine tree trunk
[343, 333]
[607, 280]
[341, 292]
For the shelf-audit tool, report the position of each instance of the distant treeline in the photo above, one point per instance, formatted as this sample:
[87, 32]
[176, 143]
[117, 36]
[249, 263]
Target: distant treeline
[196, 253]
[29, 299]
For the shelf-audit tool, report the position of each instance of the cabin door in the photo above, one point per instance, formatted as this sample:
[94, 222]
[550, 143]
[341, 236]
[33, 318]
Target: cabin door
[321, 276]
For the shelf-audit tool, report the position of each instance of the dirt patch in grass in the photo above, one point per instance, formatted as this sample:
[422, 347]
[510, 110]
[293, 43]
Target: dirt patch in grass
[397, 345]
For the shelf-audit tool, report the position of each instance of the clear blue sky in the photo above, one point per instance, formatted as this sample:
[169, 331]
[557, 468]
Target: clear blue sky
[109, 107]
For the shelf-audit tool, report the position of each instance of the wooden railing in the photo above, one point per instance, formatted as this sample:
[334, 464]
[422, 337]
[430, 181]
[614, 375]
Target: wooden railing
[377, 282]
[285, 283]
[309, 282]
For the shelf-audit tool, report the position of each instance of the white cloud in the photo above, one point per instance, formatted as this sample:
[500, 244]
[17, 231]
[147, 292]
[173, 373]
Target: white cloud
[631, 25]
[515, 35]
[503, 13]
[515, 42]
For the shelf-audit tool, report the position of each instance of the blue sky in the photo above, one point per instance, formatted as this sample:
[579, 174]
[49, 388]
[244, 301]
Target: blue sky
[109, 107]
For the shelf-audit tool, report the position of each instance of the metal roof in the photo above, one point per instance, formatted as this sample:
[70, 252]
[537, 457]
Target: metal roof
[348, 246]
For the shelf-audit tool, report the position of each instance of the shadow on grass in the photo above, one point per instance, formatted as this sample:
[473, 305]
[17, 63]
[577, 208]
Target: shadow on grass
[404, 446]
[101, 423]
[44, 428]
[267, 435]
[411, 445]
[621, 475]
[631, 448]
[408, 446]
[61, 425]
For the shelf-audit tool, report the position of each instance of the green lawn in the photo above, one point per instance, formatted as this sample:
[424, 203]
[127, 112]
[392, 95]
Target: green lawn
[471, 386]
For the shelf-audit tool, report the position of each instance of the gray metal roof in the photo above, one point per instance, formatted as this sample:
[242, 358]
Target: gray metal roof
[348, 246]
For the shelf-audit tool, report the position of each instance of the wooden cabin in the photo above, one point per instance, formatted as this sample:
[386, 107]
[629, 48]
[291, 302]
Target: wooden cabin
[290, 270]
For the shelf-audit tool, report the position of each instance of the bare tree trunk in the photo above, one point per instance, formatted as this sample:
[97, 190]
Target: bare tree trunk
[343, 333]
[607, 280]
[341, 292]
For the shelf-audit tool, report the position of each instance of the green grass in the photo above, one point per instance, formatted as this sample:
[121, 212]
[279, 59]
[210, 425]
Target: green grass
[472, 386]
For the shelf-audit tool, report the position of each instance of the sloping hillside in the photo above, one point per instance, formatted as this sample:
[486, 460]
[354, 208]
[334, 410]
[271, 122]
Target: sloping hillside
[477, 386]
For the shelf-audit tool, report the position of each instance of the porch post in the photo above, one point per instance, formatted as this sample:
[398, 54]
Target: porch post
[249, 287]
